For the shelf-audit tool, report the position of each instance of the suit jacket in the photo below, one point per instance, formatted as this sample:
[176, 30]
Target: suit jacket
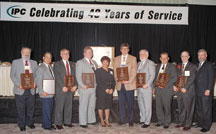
[205, 78]
[43, 73]
[171, 70]
[83, 66]
[131, 63]
[149, 68]
[60, 72]
[190, 83]
[17, 68]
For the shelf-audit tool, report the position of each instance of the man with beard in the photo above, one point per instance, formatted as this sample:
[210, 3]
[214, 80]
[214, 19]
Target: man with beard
[24, 98]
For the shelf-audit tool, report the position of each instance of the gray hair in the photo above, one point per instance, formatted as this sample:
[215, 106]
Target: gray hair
[144, 50]
[25, 48]
[202, 50]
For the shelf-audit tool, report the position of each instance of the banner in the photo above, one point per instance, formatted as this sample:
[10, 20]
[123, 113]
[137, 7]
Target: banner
[93, 13]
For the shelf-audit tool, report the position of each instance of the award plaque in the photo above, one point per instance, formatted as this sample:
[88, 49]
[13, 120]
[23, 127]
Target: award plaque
[181, 81]
[69, 81]
[162, 80]
[27, 80]
[88, 79]
[49, 86]
[140, 80]
[122, 74]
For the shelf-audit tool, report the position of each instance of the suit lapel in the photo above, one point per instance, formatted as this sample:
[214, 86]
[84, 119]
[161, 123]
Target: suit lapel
[22, 65]
[166, 69]
[63, 67]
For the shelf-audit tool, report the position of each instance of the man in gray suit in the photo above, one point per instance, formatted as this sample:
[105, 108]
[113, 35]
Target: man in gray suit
[64, 96]
[186, 95]
[144, 94]
[163, 96]
[87, 98]
[45, 72]
[24, 99]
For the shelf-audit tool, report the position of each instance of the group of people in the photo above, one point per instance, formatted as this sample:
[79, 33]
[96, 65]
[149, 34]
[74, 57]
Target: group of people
[195, 97]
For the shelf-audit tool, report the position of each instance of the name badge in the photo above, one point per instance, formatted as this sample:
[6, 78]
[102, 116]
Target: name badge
[27, 67]
[186, 73]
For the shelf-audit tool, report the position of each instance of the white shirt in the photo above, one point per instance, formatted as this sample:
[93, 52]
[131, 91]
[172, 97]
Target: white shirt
[185, 64]
[64, 61]
[123, 60]
[161, 70]
[27, 67]
[93, 65]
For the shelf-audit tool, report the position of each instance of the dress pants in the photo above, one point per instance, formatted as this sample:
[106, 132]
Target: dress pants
[25, 105]
[126, 97]
[204, 111]
[47, 107]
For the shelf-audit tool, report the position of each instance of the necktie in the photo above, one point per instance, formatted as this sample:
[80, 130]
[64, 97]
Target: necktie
[124, 59]
[182, 68]
[163, 67]
[51, 71]
[92, 65]
[26, 64]
[200, 65]
[67, 68]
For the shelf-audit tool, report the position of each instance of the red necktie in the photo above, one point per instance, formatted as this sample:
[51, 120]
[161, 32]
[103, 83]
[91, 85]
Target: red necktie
[67, 68]
[90, 62]
[26, 64]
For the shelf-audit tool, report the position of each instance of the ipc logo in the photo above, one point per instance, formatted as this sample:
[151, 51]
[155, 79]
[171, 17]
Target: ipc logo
[15, 11]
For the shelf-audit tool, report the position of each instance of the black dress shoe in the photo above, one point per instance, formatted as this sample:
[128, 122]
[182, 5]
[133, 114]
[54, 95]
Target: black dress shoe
[68, 125]
[158, 125]
[130, 124]
[141, 122]
[59, 127]
[166, 127]
[53, 127]
[83, 126]
[121, 123]
[204, 130]
[22, 129]
[94, 123]
[32, 126]
[145, 126]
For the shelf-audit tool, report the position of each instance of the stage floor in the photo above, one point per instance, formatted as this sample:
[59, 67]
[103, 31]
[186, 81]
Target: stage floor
[8, 111]
[97, 129]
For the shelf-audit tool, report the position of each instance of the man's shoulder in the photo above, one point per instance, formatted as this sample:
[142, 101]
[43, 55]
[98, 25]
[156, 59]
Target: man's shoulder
[131, 56]
[150, 62]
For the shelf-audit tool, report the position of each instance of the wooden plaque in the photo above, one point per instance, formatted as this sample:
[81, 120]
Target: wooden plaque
[181, 81]
[140, 79]
[162, 80]
[27, 80]
[88, 79]
[69, 81]
[122, 74]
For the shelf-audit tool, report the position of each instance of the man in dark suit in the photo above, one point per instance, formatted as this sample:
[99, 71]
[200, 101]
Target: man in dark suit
[164, 95]
[64, 96]
[204, 91]
[186, 95]
[24, 98]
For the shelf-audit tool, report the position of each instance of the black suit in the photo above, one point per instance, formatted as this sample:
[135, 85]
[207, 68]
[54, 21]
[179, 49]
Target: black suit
[204, 81]
[186, 101]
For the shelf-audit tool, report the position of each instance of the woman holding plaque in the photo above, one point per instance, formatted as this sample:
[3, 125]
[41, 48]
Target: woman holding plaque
[104, 91]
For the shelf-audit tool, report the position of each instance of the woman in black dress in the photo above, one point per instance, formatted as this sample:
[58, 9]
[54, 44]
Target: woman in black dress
[104, 91]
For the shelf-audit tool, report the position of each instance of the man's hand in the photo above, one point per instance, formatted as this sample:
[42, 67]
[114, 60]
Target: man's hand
[145, 86]
[85, 87]
[45, 94]
[207, 92]
[64, 89]
[110, 91]
[183, 90]
[107, 91]
[73, 89]
[125, 82]
[21, 88]
[34, 85]
[175, 89]
[153, 91]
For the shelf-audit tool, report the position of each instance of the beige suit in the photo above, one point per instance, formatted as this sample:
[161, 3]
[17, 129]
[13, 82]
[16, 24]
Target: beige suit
[131, 63]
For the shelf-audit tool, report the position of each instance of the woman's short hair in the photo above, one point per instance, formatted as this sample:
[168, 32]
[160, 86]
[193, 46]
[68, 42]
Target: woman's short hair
[105, 58]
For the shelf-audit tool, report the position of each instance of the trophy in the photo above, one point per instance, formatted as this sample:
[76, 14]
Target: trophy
[140, 80]
[88, 79]
[122, 74]
[69, 81]
[162, 80]
[181, 81]
[27, 80]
